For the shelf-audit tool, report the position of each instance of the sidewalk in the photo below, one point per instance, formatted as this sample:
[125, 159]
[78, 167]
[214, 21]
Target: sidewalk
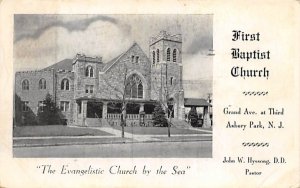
[115, 138]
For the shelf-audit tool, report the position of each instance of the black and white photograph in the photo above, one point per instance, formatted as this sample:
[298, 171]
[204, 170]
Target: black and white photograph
[113, 86]
[149, 93]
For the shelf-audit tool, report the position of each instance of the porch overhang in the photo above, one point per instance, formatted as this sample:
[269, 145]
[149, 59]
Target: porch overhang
[194, 102]
[96, 99]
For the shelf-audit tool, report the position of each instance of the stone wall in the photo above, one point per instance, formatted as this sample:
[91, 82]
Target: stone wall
[108, 79]
[65, 95]
[111, 81]
[33, 95]
[166, 69]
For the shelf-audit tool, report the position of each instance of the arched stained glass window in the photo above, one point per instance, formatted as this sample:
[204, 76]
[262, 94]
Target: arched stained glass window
[134, 87]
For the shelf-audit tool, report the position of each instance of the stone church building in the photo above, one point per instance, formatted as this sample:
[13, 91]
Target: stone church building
[89, 92]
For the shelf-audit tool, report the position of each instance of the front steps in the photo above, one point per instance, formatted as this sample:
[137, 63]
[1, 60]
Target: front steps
[179, 123]
[93, 122]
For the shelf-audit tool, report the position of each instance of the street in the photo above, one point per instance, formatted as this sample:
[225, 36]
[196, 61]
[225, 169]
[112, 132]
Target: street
[194, 149]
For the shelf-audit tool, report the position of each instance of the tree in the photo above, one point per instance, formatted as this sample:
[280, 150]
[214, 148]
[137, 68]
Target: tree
[165, 90]
[193, 116]
[48, 113]
[116, 87]
[159, 117]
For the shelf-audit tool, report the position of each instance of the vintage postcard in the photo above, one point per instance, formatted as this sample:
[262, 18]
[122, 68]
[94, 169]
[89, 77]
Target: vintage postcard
[150, 94]
[139, 93]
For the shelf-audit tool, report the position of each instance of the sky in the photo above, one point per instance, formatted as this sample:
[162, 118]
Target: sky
[42, 40]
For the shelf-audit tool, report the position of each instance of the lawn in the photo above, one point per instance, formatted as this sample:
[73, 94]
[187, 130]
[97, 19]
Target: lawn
[157, 130]
[56, 130]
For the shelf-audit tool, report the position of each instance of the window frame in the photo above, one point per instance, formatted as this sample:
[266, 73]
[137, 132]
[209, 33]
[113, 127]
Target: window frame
[25, 106]
[174, 54]
[25, 85]
[137, 59]
[65, 84]
[89, 88]
[41, 105]
[63, 107]
[89, 71]
[153, 57]
[168, 54]
[172, 80]
[42, 84]
[132, 88]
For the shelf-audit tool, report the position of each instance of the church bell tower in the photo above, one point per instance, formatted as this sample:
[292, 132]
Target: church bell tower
[166, 71]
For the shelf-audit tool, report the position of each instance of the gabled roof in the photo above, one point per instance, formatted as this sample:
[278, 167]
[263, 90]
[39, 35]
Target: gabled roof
[114, 60]
[188, 102]
[65, 64]
[111, 62]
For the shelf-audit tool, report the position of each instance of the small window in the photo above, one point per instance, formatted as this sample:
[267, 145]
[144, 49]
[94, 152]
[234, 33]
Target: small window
[174, 55]
[89, 72]
[137, 59]
[65, 84]
[41, 106]
[153, 55]
[92, 72]
[157, 54]
[172, 81]
[79, 108]
[25, 107]
[89, 89]
[25, 85]
[132, 58]
[168, 54]
[64, 106]
[42, 84]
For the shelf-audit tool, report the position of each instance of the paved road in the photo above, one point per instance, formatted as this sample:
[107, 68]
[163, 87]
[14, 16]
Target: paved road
[199, 149]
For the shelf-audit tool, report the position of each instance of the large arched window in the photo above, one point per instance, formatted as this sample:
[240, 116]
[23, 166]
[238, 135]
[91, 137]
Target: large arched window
[153, 55]
[89, 71]
[134, 87]
[168, 54]
[42, 84]
[65, 84]
[174, 55]
[25, 85]
[157, 54]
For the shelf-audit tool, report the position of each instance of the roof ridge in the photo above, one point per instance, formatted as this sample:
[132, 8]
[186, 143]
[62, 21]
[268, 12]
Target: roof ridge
[112, 62]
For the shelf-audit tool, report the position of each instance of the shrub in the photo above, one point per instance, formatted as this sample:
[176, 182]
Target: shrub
[193, 116]
[159, 117]
[49, 114]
